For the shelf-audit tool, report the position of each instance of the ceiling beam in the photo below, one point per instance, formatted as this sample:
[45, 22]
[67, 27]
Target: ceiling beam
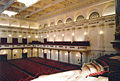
[7, 5]
[47, 6]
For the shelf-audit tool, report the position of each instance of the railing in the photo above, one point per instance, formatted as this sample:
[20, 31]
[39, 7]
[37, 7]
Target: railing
[45, 46]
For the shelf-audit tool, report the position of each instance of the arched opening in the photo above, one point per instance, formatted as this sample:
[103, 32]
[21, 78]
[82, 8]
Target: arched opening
[94, 15]
[80, 17]
[69, 20]
[59, 22]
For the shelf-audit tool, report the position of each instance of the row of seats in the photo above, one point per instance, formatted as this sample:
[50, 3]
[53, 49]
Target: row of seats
[69, 43]
[11, 73]
[34, 68]
[56, 64]
[106, 61]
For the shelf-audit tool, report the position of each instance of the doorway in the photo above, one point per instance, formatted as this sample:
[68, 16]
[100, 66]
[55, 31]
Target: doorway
[24, 41]
[45, 56]
[3, 40]
[15, 40]
[24, 55]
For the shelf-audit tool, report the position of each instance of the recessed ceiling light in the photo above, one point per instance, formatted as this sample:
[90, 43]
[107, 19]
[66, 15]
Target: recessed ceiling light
[28, 2]
[9, 13]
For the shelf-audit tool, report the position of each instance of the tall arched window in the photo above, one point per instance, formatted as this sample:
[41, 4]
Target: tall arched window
[69, 20]
[94, 15]
[80, 17]
[59, 22]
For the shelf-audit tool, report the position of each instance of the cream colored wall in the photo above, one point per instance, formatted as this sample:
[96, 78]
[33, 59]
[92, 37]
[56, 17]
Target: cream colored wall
[41, 53]
[34, 52]
[64, 56]
[97, 41]
[17, 53]
[54, 55]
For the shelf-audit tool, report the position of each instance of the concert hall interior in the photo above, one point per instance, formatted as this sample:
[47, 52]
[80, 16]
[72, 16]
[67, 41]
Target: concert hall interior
[59, 40]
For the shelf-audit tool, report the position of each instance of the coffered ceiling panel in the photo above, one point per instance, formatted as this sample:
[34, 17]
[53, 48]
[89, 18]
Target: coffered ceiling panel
[42, 8]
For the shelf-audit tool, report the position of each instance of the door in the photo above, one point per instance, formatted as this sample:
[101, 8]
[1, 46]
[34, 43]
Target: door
[45, 40]
[45, 56]
[24, 55]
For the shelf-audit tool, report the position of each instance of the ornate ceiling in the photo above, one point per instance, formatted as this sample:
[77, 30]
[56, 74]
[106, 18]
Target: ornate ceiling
[43, 8]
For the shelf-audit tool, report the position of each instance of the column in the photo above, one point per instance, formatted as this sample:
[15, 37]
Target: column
[50, 53]
[37, 52]
[11, 53]
[22, 50]
[68, 56]
[58, 55]
[81, 58]
[31, 52]
[43, 53]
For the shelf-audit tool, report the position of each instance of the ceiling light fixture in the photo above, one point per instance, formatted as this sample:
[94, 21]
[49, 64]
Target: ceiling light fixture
[9, 13]
[28, 2]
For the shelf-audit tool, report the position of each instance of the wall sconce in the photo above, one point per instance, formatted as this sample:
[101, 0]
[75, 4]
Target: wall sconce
[25, 51]
[47, 36]
[73, 34]
[62, 35]
[66, 54]
[36, 36]
[29, 36]
[48, 25]
[16, 51]
[4, 52]
[101, 32]
[74, 20]
[76, 55]
[54, 35]
[20, 35]
[35, 49]
[10, 35]
[85, 33]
